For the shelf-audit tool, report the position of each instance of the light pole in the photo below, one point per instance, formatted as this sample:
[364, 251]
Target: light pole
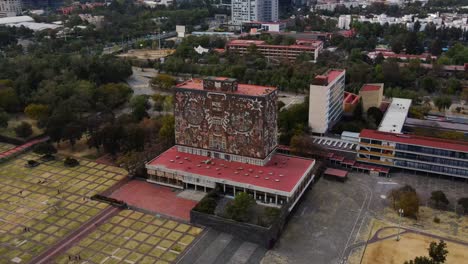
[400, 212]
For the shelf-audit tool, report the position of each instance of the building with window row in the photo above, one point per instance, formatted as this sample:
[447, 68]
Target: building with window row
[290, 52]
[425, 154]
[326, 98]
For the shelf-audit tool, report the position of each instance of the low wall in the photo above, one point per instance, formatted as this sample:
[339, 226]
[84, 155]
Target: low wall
[263, 236]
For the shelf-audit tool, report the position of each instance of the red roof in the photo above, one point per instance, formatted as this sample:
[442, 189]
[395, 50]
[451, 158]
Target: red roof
[246, 89]
[350, 98]
[281, 173]
[370, 87]
[336, 172]
[416, 140]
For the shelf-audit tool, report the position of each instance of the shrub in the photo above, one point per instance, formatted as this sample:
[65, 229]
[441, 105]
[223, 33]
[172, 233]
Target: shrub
[463, 202]
[45, 148]
[207, 205]
[71, 162]
[269, 216]
[407, 199]
[23, 130]
[436, 220]
[439, 199]
[239, 208]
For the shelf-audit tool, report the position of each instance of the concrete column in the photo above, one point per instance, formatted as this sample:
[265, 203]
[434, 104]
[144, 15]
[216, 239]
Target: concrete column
[255, 195]
[276, 199]
[234, 188]
[265, 197]
[204, 187]
[224, 187]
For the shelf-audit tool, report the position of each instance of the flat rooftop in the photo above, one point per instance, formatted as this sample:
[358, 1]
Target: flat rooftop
[395, 116]
[281, 173]
[300, 44]
[371, 87]
[245, 89]
[328, 77]
[455, 145]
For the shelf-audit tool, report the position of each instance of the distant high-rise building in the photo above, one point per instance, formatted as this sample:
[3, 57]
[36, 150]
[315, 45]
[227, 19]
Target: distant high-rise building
[326, 100]
[254, 10]
[10, 7]
[344, 22]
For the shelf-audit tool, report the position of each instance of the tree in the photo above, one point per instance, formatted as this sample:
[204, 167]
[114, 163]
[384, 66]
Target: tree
[438, 251]
[407, 199]
[439, 198]
[37, 111]
[436, 47]
[463, 202]
[303, 145]
[112, 95]
[4, 117]
[375, 114]
[443, 102]
[9, 100]
[437, 254]
[239, 208]
[45, 148]
[163, 82]
[166, 133]
[140, 104]
[23, 130]
[412, 44]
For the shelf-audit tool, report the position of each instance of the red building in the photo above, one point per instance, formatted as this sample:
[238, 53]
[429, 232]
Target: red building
[290, 52]
[226, 136]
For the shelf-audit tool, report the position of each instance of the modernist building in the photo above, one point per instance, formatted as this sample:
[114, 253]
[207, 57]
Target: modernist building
[326, 100]
[10, 8]
[226, 136]
[290, 52]
[254, 10]
[371, 95]
[425, 154]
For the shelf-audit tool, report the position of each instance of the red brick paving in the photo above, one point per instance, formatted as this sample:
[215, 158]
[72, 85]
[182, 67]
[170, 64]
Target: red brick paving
[155, 198]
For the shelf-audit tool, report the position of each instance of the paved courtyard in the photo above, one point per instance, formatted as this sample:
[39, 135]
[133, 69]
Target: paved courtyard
[133, 237]
[155, 198]
[332, 219]
[39, 206]
[5, 147]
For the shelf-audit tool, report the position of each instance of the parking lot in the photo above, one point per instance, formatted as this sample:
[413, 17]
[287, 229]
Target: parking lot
[334, 217]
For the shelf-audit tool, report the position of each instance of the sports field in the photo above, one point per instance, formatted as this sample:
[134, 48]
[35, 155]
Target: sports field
[41, 205]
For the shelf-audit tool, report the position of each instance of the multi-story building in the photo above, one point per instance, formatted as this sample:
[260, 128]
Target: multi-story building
[326, 100]
[371, 95]
[254, 10]
[290, 52]
[10, 8]
[344, 21]
[226, 136]
[425, 154]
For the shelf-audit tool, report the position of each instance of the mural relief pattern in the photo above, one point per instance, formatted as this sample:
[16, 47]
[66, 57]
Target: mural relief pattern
[230, 123]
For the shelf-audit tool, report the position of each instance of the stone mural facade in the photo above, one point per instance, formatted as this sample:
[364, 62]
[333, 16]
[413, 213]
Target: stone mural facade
[226, 120]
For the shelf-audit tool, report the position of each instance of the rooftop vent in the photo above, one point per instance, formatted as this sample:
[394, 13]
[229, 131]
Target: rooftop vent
[236, 172]
[207, 167]
[246, 174]
[260, 172]
[270, 173]
[266, 178]
[185, 158]
[177, 157]
[181, 162]
[281, 175]
[171, 160]
[277, 180]
[256, 176]
[198, 165]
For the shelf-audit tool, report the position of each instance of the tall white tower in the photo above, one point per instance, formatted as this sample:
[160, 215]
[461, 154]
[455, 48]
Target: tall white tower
[10, 7]
[254, 10]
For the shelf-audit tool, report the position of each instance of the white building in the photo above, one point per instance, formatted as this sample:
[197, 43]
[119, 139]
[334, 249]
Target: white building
[326, 100]
[395, 116]
[344, 22]
[156, 3]
[10, 8]
[254, 10]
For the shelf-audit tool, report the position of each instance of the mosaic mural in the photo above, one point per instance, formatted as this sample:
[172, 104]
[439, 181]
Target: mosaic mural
[226, 122]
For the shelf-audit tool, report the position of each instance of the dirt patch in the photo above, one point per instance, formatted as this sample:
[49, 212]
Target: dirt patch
[80, 149]
[410, 246]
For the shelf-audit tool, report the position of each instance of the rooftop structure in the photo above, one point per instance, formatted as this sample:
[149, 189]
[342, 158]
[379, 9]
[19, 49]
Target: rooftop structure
[312, 47]
[326, 100]
[35, 26]
[395, 116]
[402, 56]
[254, 10]
[281, 174]
[350, 102]
[10, 7]
[15, 19]
[372, 95]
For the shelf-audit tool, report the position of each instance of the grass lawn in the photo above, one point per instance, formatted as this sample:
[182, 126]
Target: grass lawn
[410, 246]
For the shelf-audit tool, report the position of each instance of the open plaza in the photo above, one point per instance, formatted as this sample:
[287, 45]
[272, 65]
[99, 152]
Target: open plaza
[46, 214]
